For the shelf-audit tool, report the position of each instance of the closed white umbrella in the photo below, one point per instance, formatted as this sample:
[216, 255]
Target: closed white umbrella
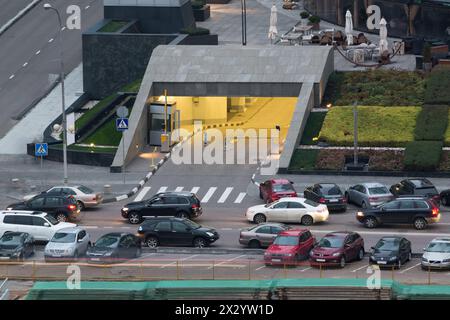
[349, 27]
[383, 36]
[273, 23]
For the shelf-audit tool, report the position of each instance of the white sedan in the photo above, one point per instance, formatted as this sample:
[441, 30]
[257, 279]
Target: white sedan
[291, 210]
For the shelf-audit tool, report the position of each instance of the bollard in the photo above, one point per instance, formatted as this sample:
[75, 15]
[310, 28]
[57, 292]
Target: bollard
[249, 270]
[178, 271]
[107, 189]
[429, 275]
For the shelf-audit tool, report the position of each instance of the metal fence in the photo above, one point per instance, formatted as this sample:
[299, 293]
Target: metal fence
[4, 291]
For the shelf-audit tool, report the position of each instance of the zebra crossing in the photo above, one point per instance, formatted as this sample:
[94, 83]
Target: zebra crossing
[205, 194]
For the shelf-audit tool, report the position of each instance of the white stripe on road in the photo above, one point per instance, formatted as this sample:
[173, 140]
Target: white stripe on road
[391, 233]
[229, 260]
[184, 259]
[25, 64]
[403, 271]
[162, 189]
[179, 189]
[89, 227]
[360, 268]
[226, 229]
[38, 52]
[51, 40]
[260, 268]
[306, 269]
[11, 76]
[225, 195]
[240, 197]
[209, 194]
[122, 197]
[195, 189]
[142, 194]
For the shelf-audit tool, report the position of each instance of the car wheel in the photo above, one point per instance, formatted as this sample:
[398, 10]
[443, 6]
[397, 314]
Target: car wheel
[61, 217]
[370, 222]
[199, 242]
[307, 220]
[80, 205]
[254, 244]
[152, 242]
[361, 254]
[182, 214]
[420, 223]
[342, 262]
[259, 218]
[134, 218]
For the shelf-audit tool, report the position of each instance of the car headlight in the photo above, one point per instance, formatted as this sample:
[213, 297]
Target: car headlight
[425, 260]
[125, 209]
[392, 258]
[360, 214]
[108, 254]
[446, 260]
[140, 228]
[336, 254]
[210, 234]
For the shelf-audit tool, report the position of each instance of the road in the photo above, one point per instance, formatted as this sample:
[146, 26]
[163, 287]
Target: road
[10, 9]
[29, 54]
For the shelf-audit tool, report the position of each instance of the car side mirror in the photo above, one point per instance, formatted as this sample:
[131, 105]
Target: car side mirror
[291, 182]
[373, 248]
[46, 224]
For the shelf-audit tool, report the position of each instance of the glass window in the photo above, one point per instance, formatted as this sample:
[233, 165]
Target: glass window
[51, 219]
[38, 221]
[420, 204]
[392, 205]
[156, 201]
[192, 224]
[85, 190]
[9, 219]
[331, 242]
[53, 202]
[282, 187]
[170, 200]
[107, 241]
[438, 246]
[10, 241]
[182, 200]
[407, 204]
[304, 236]
[286, 241]
[81, 235]
[331, 190]
[426, 191]
[132, 241]
[179, 226]
[69, 191]
[63, 237]
[264, 229]
[54, 190]
[295, 205]
[276, 230]
[37, 202]
[280, 205]
[389, 244]
[378, 190]
[163, 226]
[311, 203]
[24, 220]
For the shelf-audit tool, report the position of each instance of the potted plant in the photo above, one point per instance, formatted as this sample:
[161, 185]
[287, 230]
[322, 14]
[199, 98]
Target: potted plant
[315, 22]
[304, 14]
[200, 9]
[427, 62]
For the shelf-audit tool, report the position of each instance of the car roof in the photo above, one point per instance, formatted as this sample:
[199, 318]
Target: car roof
[326, 184]
[391, 238]
[441, 239]
[116, 234]
[298, 199]
[372, 184]
[280, 181]
[70, 230]
[23, 212]
[292, 232]
[420, 182]
[271, 224]
[339, 234]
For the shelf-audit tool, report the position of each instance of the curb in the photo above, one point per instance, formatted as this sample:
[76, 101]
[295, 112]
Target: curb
[21, 13]
[204, 250]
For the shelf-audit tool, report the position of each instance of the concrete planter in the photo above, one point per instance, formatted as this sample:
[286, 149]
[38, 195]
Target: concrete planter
[217, 1]
[202, 14]
[315, 26]
[204, 39]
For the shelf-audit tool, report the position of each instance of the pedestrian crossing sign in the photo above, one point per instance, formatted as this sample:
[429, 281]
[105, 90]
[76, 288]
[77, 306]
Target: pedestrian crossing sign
[122, 124]
[41, 149]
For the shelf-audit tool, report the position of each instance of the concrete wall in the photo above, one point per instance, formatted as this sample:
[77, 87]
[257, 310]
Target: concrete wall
[208, 109]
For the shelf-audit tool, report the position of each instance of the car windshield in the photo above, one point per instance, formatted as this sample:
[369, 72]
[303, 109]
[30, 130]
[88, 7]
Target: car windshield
[286, 241]
[107, 242]
[311, 203]
[10, 240]
[438, 246]
[282, 187]
[387, 245]
[51, 219]
[331, 190]
[85, 190]
[378, 190]
[192, 224]
[331, 242]
[63, 237]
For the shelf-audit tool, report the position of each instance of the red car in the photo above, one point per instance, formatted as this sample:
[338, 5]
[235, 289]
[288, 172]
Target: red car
[274, 189]
[337, 248]
[288, 247]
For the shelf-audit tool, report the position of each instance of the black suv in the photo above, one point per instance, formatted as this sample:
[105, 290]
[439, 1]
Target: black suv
[175, 204]
[406, 210]
[416, 187]
[61, 207]
[175, 232]
[327, 193]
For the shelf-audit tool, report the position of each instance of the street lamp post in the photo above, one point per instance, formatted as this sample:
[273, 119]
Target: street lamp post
[48, 6]
[244, 22]
[355, 134]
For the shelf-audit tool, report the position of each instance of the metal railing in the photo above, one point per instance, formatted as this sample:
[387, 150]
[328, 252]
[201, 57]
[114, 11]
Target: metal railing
[4, 290]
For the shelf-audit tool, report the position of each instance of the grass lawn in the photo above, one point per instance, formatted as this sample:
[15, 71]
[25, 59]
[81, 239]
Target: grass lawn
[113, 26]
[312, 128]
[75, 147]
[377, 126]
[303, 159]
[106, 135]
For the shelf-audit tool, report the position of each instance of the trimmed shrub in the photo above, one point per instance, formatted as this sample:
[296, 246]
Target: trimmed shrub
[431, 123]
[197, 31]
[304, 14]
[312, 128]
[437, 86]
[303, 159]
[423, 155]
[314, 19]
[198, 4]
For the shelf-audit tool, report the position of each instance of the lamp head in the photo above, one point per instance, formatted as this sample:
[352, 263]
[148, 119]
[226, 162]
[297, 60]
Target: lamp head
[47, 6]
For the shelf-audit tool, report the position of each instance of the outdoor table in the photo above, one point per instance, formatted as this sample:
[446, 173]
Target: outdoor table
[292, 37]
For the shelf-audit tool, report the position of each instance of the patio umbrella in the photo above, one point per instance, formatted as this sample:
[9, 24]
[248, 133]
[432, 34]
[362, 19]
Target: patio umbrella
[383, 36]
[273, 23]
[349, 28]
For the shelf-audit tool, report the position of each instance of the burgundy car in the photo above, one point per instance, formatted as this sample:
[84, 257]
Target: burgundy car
[274, 189]
[337, 248]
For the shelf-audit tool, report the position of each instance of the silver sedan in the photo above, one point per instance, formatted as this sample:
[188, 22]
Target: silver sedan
[261, 235]
[368, 195]
[67, 243]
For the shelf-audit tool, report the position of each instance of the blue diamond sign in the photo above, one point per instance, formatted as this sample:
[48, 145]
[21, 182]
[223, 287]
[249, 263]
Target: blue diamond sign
[122, 124]
[41, 149]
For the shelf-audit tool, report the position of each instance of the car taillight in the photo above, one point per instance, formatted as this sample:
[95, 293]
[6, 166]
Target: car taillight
[344, 200]
[322, 200]
[373, 199]
[72, 207]
[195, 206]
[435, 212]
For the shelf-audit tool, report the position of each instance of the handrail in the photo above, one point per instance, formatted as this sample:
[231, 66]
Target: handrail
[4, 292]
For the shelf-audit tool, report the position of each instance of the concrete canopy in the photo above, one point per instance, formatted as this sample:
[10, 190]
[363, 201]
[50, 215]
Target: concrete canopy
[258, 71]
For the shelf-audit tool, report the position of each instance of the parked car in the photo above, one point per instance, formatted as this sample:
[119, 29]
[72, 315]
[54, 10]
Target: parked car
[40, 225]
[85, 197]
[175, 232]
[293, 210]
[68, 243]
[368, 195]
[16, 245]
[327, 193]
[62, 207]
[444, 197]
[114, 247]
[416, 187]
[338, 248]
[391, 251]
[289, 247]
[176, 204]
[261, 235]
[274, 189]
[414, 210]
[437, 254]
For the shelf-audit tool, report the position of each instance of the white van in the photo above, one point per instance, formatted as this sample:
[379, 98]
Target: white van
[40, 225]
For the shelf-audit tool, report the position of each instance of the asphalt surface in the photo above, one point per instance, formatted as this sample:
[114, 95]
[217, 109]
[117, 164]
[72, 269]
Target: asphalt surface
[29, 54]
[10, 8]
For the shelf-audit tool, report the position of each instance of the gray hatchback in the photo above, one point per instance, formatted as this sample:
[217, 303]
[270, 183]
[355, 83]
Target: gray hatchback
[261, 235]
[368, 195]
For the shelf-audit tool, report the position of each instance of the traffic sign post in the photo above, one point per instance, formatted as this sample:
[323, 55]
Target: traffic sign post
[122, 125]
[41, 150]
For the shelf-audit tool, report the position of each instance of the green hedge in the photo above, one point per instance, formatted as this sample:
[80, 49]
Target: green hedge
[437, 87]
[423, 155]
[431, 123]
[377, 126]
[312, 128]
[303, 159]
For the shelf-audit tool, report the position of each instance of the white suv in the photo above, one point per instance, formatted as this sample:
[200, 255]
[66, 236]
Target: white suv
[40, 225]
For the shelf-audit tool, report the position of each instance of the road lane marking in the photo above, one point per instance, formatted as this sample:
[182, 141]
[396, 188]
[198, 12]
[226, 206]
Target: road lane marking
[87, 7]
[366, 266]
[162, 189]
[209, 194]
[195, 189]
[142, 194]
[306, 269]
[38, 52]
[51, 40]
[229, 260]
[25, 64]
[167, 265]
[403, 271]
[225, 195]
[11, 76]
[262, 267]
[184, 259]
[240, 197]
[90, 227]
[63, 28]
[179, 189]
[229, 229]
